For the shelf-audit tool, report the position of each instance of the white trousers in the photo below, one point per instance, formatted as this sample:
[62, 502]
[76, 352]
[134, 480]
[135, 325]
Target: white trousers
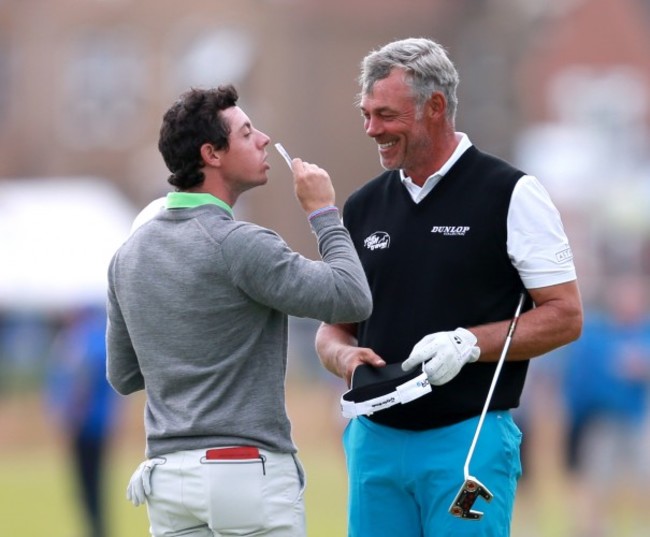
[195, 497]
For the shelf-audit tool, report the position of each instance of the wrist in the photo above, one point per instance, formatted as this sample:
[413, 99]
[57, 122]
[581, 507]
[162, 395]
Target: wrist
[322, 210]
[472, 351]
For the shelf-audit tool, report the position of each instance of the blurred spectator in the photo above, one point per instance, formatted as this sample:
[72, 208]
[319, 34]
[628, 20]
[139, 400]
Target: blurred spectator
[84, 405]
[25, 337]
[606, 393]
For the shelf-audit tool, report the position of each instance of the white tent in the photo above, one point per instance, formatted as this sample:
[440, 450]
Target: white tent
[57, 236]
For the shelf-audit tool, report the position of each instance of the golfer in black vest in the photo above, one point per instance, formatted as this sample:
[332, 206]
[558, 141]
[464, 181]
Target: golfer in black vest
[449, 237]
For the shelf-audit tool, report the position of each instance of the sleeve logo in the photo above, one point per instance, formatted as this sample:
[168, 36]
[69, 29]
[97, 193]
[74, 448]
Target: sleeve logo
[564, 255]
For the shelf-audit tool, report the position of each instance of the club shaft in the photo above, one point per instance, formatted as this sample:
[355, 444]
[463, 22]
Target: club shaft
[495, 378]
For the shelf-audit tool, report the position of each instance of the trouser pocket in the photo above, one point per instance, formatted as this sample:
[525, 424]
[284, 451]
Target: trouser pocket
[235, 489]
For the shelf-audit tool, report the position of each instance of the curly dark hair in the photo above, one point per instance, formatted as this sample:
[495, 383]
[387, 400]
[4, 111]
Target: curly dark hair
[193, 120]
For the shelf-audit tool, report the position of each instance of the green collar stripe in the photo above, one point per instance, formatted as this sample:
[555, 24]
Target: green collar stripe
[184, 200]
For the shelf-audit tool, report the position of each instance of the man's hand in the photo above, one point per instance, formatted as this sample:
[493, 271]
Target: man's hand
[443, 354]
[352, 357]
[312, 185]
[140, 484]
[336, 345]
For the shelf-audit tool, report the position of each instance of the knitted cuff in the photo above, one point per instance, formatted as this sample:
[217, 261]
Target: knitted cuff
[322, 210]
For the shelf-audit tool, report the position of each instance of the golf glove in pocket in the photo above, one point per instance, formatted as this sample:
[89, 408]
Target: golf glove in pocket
[443, 354]
[140, 484]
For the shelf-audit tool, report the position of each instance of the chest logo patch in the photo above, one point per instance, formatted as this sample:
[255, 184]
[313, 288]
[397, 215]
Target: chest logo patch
[379, 240]
[457, 231]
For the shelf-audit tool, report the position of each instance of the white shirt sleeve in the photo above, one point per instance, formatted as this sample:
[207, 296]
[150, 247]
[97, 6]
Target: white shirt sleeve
[537, 244]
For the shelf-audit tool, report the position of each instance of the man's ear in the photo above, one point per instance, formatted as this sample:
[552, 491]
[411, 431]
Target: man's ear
[210, 155]
[436, 105]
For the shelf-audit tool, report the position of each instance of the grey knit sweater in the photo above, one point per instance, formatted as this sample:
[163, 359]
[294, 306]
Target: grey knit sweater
[198, 305]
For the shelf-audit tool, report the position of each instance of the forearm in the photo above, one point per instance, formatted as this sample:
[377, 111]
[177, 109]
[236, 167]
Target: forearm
[555, 321]
[338, 350]
[347, 278]
[331, 341]
[125, 382]
[122, 368]
[334, 290]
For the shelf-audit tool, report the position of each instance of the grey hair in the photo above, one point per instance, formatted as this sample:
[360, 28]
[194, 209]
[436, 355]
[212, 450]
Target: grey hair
[426, 65]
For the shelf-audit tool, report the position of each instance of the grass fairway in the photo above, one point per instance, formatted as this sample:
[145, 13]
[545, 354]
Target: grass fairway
[38, 498]
[38, 494]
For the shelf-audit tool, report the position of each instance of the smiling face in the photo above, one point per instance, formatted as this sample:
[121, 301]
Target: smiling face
[403, 135]
[243, 164]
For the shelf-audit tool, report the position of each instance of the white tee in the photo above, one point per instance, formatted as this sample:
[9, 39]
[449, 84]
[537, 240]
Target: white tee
[146, 214]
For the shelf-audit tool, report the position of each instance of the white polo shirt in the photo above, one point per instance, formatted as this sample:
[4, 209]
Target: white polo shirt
[537, 244]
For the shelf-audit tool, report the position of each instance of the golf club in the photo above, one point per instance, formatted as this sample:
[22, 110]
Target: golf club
[472, 488]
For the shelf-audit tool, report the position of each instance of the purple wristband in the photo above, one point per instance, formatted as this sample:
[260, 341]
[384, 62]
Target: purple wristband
[322, 210]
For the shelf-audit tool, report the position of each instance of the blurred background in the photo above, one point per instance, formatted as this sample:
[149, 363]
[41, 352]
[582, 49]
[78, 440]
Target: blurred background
[559, 87]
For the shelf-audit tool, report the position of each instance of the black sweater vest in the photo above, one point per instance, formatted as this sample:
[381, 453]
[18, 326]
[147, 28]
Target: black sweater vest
[436, 266]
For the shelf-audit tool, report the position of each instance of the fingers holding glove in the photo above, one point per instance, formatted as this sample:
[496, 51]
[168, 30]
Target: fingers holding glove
[139, 487]
[443, 354]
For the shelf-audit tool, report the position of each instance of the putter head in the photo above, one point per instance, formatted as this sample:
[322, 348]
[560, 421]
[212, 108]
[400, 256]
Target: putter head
[462, 505]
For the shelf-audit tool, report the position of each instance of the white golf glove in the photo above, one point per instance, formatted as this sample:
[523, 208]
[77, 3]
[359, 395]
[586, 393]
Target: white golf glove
[140, 484]
[443, 354]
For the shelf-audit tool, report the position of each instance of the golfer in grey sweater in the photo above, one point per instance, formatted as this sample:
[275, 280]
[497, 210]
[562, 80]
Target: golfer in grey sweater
[198, 307]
